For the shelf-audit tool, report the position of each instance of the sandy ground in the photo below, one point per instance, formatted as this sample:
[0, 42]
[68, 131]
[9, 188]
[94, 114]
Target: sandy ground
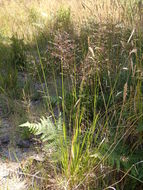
[10, 179]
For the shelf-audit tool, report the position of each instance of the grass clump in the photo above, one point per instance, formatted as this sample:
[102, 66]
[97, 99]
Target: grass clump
[18, 53]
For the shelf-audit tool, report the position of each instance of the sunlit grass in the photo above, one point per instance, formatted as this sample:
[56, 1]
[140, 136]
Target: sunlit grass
[26, 17]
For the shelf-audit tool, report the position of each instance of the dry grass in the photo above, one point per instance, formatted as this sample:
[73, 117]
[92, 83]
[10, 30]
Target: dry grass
[22, 16]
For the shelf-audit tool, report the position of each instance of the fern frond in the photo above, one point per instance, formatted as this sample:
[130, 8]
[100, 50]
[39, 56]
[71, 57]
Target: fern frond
[51, 134]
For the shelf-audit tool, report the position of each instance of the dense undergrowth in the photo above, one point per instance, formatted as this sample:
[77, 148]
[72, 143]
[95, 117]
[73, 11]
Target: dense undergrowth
[95, 139]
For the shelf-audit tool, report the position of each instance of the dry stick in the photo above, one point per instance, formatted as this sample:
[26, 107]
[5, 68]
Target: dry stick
[107, 155]
[124, 99]
[124, 175]
[133, 31]
[34, 178]
[112, 188]
[26, 174]
[119, 180]
[132, 177]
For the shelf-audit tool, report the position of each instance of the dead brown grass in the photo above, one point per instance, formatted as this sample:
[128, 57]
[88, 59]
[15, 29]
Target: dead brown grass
[22, 16]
